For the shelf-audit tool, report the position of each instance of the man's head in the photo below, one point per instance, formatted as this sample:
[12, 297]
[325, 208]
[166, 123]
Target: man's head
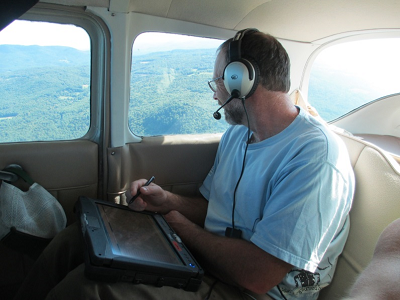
[268, 56]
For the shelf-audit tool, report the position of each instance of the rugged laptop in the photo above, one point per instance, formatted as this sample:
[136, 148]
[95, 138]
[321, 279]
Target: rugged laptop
[136, 247]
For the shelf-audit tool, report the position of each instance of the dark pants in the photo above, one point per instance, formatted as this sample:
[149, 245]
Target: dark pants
[59, 274]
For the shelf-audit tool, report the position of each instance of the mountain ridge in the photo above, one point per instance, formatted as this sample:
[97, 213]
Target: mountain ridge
[33, 56]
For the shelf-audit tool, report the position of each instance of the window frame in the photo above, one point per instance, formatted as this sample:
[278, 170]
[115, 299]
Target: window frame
[124, 29]
[328, 42]
[99, 39]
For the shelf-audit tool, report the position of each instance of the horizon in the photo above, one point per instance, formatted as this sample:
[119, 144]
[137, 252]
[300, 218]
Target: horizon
[25, 33]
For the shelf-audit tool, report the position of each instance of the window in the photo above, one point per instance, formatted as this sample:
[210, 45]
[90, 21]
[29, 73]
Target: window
[44, 82]
[169, 93]
[349, 75]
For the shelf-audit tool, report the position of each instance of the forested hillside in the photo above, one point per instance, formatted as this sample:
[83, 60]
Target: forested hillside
[169, 96]
[15, 57]
[45, 93]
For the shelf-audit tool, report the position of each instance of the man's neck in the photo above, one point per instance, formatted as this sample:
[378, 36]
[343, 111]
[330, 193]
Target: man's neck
[269, 113]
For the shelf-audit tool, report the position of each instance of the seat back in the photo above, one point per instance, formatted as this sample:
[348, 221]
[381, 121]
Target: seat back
[376, 204]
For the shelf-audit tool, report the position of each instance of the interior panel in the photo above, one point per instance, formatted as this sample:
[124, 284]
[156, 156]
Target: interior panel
[368, 118]
[179, 163]
[66, 169]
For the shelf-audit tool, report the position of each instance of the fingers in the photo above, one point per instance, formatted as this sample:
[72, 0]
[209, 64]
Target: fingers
[135, 186]
[138, 205]
[137, 193]
[151, 197]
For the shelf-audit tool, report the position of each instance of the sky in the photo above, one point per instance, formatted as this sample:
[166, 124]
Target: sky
[377, 61]
[154, 41]
[26, 33]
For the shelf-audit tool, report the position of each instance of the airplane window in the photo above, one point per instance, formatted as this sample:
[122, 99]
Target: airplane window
[169, 93]
[44, 82]
[349, 75]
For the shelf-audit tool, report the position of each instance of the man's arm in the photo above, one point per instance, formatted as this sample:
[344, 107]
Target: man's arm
[233, 261]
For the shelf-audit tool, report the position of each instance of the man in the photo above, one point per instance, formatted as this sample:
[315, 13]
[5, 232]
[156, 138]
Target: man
[273, 215]
[293, 199]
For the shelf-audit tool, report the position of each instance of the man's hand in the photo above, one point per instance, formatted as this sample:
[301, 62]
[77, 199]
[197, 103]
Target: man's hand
[152, 197]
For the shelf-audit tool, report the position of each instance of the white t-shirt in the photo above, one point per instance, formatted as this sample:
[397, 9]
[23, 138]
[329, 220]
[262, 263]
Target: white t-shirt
[293, 199]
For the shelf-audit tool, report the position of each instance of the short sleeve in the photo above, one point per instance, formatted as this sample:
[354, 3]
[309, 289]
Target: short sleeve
[307, 208]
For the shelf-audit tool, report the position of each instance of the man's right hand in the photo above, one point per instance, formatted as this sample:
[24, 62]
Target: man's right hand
[152, 197]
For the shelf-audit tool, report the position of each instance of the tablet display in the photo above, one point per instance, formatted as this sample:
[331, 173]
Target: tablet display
[136, 247]
[136, 235]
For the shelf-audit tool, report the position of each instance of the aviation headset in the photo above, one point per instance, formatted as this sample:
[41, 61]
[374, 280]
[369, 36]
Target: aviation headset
[240, 75]
[240, 79]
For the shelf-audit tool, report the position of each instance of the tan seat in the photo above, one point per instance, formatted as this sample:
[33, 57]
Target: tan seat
[376, 204]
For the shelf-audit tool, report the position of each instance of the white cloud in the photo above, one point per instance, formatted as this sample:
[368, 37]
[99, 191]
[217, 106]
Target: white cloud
[45, 34]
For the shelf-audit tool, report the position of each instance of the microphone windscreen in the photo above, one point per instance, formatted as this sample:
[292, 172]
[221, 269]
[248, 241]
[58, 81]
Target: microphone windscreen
[217, 115]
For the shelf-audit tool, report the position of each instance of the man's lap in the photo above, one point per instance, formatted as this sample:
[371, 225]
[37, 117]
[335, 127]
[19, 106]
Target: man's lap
[60, 270]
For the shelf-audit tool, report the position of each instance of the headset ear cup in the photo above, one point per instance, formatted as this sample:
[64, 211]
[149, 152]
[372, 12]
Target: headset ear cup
[241, 75]
[256, 78]
[234, 74]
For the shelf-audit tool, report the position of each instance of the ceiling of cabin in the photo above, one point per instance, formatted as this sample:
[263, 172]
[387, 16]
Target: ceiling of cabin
[300, 20]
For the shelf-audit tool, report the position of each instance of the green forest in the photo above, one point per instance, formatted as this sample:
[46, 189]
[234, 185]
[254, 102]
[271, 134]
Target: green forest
[45, 93]
[170, 94]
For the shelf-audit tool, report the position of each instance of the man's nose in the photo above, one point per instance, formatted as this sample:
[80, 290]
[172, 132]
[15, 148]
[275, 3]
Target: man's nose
[215, 96]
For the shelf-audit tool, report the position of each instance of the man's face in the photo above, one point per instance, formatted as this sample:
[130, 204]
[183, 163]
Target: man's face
[234, 112]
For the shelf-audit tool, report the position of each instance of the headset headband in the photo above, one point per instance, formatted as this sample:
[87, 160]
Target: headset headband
[235, 51]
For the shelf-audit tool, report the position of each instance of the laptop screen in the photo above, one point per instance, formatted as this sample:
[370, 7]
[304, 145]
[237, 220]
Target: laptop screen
[137, 236]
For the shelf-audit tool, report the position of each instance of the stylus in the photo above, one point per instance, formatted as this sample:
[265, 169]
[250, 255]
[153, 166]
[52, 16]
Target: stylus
[138, 193]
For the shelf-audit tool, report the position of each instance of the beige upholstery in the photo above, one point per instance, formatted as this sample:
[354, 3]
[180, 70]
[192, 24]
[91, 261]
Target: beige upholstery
[376, 204]
[179, 162]
[66, 169]
[298, 99]
[386, 142]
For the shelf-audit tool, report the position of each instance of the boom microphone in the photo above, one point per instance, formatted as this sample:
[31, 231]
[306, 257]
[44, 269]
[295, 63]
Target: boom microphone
[235, 94]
